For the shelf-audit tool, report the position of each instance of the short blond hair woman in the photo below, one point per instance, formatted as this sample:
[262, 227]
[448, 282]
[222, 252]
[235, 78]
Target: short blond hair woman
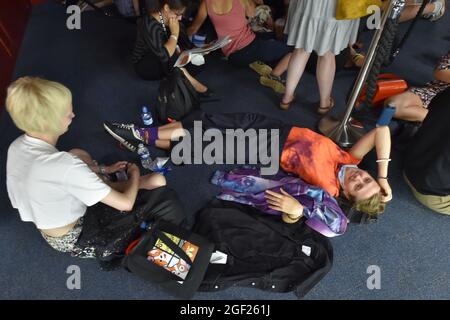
[52, 188]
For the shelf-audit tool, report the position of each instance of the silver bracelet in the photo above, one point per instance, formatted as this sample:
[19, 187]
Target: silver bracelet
[102, 169]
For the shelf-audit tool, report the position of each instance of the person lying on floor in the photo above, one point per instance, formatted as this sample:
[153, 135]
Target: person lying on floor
[283, 195]
[412, 105]
[52, 188]
[229, 18]
[427, 159]
[312, 156]
[156, 48]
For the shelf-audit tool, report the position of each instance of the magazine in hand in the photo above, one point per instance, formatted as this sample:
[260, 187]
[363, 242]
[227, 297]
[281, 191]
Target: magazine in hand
[186, 56]
[163, 256]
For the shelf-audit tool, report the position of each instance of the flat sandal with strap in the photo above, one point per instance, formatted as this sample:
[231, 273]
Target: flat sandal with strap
[324, 110]
[286, 106]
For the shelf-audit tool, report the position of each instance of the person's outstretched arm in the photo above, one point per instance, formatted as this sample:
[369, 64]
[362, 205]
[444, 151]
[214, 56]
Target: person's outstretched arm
[201, 16]
[123, 200]
[380, 138]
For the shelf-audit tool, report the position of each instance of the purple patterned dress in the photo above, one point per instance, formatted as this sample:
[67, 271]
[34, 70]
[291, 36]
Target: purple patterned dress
[246, 186]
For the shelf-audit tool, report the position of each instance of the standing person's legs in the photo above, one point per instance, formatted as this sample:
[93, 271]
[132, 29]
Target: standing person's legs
[326, 69]
[295, 71]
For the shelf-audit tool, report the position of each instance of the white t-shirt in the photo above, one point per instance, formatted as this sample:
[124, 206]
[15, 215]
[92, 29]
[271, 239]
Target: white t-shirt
[49, 187]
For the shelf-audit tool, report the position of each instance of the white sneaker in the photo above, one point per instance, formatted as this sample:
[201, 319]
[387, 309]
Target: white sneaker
[439, 10]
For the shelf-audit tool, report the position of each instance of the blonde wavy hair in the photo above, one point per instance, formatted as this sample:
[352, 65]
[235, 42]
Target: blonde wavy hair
[38, 105]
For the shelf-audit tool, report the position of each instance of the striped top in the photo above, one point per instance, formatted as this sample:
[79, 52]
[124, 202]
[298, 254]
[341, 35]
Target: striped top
[150, 38]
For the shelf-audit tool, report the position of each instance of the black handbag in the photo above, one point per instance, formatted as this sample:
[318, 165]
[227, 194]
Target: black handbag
[176, 97]
[171, 257]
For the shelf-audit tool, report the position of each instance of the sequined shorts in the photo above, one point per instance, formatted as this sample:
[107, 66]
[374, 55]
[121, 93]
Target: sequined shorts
[67, 243]
[427, 93]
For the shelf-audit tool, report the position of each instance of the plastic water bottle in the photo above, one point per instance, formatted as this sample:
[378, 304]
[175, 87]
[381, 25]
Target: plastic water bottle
[386, 115]
[199, 40]
[146, 225]
[144, 154]
[147, 118]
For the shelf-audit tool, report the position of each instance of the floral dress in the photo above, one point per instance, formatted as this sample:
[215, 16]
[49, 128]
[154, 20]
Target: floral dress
[427, 93]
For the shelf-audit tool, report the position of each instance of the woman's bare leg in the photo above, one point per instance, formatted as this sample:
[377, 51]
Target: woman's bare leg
[408, 106]
[147, 182]
[152, 181]
[296, 67]
[411, 9]
[326, 69]
[163, 144]
[282, 65]
[171, 125]
[198, 86]
[174, 131]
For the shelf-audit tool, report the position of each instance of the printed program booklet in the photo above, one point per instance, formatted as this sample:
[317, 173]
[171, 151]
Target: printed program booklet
[165, 257]
[186, 56]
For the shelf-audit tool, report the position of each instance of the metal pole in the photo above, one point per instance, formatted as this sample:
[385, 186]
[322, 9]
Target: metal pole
[345, 132]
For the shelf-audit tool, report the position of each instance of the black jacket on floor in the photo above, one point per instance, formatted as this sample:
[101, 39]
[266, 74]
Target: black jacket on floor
[263, 252]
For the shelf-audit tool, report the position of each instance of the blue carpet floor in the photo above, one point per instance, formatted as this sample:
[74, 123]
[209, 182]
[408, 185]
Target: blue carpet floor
[410, 243]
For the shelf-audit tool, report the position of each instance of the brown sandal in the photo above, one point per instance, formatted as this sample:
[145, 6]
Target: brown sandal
[285, 106]
[324, 110]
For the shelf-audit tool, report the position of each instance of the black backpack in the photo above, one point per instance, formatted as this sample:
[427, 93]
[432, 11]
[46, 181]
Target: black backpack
[176, 97]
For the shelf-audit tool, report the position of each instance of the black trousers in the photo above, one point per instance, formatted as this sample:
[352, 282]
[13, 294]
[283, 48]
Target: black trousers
[242, 121]
[151, 68]
[223, 121]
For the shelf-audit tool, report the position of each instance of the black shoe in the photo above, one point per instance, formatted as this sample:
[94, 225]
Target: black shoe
[125, 134]
[207, 94]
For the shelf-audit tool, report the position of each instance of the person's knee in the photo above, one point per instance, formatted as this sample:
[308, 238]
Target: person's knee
[82, 154]
[327, 56]
[159, 180]
[152, 181]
